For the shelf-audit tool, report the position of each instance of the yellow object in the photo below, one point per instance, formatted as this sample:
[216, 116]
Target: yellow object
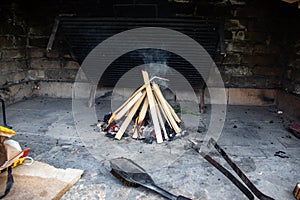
[6, 132]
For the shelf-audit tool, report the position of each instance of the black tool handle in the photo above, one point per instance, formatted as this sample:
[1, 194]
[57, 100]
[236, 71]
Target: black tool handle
[183, 198]
[163, 192]
[4, 114]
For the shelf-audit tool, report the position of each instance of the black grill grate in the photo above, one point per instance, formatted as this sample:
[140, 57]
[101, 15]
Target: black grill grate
[84, 34]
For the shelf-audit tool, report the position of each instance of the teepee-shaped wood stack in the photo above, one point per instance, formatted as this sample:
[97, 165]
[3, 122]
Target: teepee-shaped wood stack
[147, 97]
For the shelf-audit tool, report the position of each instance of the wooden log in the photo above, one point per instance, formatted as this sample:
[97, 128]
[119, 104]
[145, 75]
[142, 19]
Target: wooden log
[162, 125]
[175, 116]
[112, 118]
[129, 117]
[128, 106]
[143, 111]
[162, 110]
[153, 112]
[177, 119]
[166, 108]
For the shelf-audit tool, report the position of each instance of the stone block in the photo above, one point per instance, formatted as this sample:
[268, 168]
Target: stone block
[53, 54]
[40, 30]
[54, 74]
[15, 93]
[247, 96]
[7, 28]
[247, 82]
[266, 49]
[12, 41]
[67, 55]
[12, 66]
[238, 71]
[38, 42]
[36, 52]
[273, 82]
[260, 59]
[14, 77]
[239, 47]
[6, 42]
[69, 74]
[238, 35]
[234, 24]
[44, 63]
[56, 89]
[232, 59]
[36, 74]
[237, 2]
[13, 53]
[267, 71]
[18, 76]
[71, 65]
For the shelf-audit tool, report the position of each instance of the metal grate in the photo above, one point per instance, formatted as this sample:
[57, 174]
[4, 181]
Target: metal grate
[84, 34]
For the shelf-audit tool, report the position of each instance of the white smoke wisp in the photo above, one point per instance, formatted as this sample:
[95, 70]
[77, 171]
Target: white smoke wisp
[156, 64]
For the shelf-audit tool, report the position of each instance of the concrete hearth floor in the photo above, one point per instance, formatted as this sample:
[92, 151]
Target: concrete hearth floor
[251, 136]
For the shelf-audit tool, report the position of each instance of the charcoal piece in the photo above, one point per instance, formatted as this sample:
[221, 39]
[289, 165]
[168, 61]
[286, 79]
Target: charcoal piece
[125, 135]
[107, 117]
[148, 140]
[110, 135]
[171, 133]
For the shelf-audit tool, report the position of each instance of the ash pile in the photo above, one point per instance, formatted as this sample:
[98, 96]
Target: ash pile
[146, 115]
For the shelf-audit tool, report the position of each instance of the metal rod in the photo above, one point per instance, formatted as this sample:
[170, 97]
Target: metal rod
[232, 178]
[53, 33]
[239, 172]
[4, 114]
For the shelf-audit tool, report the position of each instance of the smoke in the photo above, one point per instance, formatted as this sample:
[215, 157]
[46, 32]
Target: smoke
[156, 64]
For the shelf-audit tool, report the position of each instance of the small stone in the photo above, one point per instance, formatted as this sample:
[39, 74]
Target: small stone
[235, 126]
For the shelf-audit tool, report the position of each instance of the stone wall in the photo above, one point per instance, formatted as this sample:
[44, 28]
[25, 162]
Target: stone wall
[292, 75]
[262, 39]
[257, 40]
[24, 61]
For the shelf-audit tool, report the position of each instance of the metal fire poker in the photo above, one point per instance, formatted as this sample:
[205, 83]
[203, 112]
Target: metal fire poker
[237, 170]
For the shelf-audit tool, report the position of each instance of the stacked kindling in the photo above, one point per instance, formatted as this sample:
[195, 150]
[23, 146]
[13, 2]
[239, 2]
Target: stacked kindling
[147, 98]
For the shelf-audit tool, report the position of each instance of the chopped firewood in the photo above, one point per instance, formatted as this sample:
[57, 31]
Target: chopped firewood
[129, 117]
[147, 98]
[127, 107]
[112, 118]
[152, 107]
[143, 112]
[165, 107]
[161, 122]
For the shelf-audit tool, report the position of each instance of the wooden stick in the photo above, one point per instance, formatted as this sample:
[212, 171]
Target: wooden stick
[143, 111]
[127, 107]
[166, 108]
[173, 113]
[112, 118]
[129, 117]
[161, 109]
[153, 112]
[170, 108]
[162, 125]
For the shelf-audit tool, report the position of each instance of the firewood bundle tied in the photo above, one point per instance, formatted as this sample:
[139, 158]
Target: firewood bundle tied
[147, 98]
